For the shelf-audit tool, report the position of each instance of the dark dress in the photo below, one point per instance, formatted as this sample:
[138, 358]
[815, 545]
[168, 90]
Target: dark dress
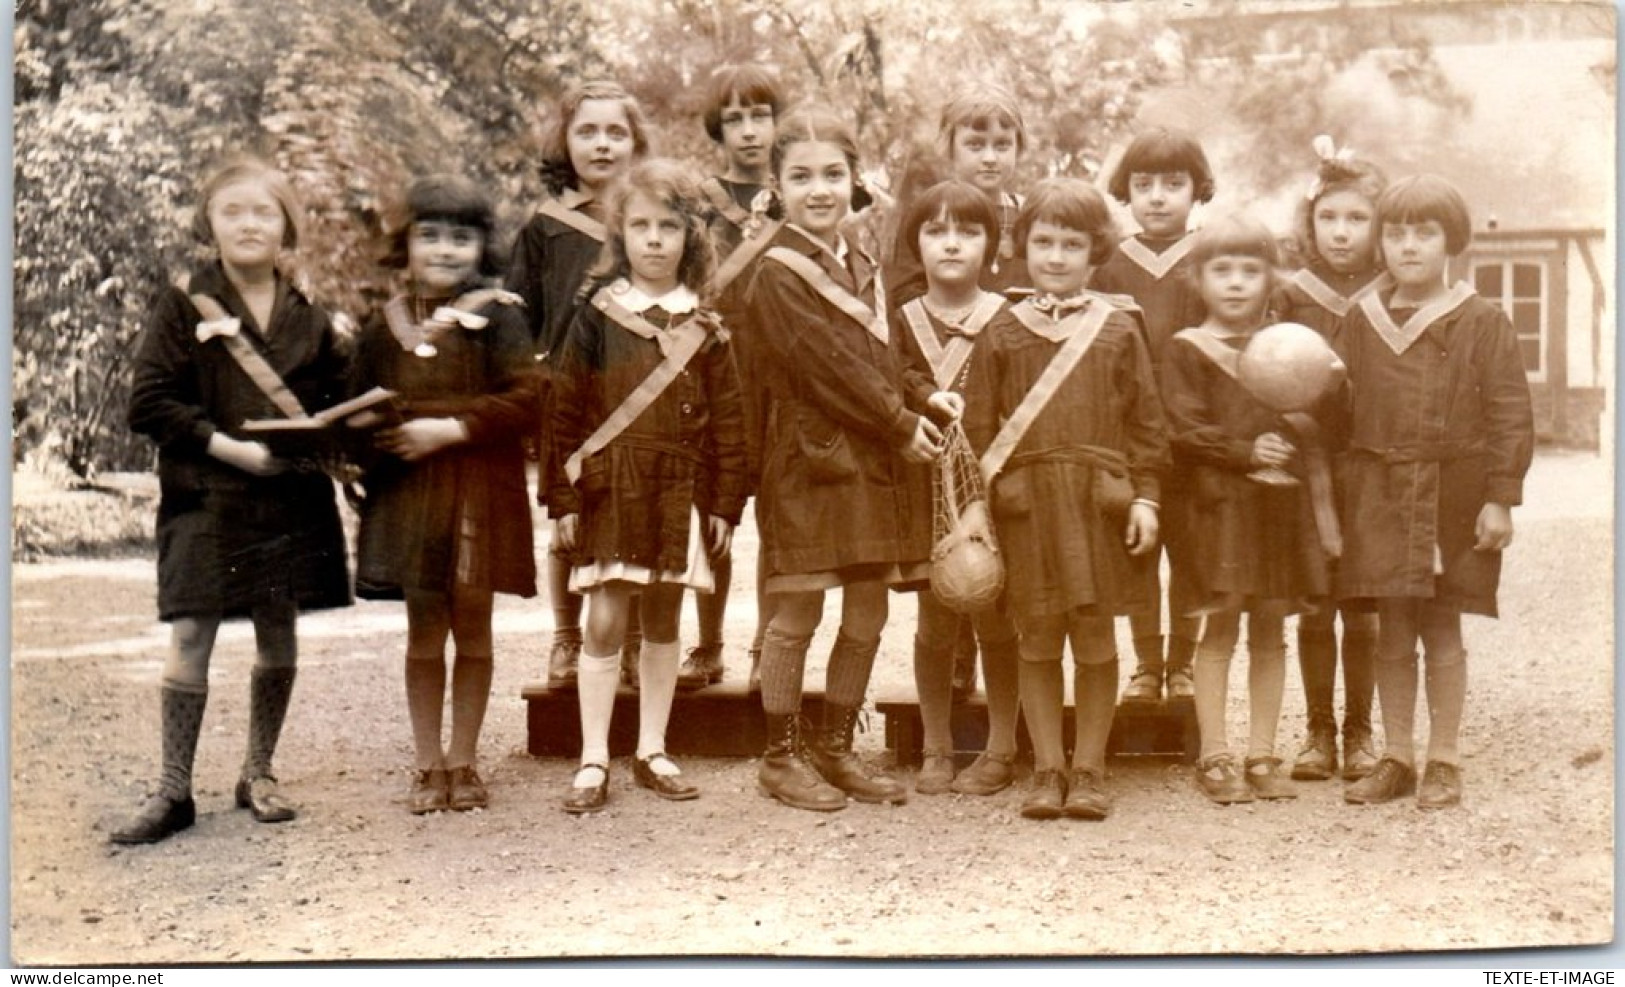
[1319, 297]
[1238, 540]
[550, 263]
[1167, 304]
[459, 518]
[837, 501]
[731, 202]
[228, 540]
[684, 453]
[1061, 552]
[1439, 430]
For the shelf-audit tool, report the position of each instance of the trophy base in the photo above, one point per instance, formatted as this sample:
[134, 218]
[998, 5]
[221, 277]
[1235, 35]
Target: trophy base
[1273, 476]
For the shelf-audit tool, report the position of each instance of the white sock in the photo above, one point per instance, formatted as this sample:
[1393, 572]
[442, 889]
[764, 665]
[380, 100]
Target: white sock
[596, 681]
[657, 684]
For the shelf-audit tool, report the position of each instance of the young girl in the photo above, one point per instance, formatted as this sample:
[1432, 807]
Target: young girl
[981, 136]
[1336, 231]
[240, 532]
[1161, 177]
[1442, 436]
[953, 235]
[647, 479]
[844, 499]
[1249, 547]
[1062, 406]
[740, 116]
[446, 522]
[598, 134]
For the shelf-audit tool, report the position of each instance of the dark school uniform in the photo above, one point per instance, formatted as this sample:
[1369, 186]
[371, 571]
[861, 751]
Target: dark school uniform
[1063, 552]
[837, 502]
[683, 454]
[1154, 272]
[1240, 540]
[1319, 297]
[459, 518]
[228, 540]
[1442, 425]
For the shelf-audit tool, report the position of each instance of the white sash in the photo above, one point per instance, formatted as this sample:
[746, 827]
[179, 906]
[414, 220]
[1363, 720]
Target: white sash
[1328, 298]
[947, 360]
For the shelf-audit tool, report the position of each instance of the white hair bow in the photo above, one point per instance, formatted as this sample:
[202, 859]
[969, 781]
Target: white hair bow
[1327, 150]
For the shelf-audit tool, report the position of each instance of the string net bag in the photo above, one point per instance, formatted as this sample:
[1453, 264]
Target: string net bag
[967, 571]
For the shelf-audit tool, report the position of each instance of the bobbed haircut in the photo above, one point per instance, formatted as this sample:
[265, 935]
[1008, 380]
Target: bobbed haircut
[750, 84]
[1161, 150]
[977, 107]
[818, 123]
[1420, 198]
[558, 171]
[1234, 236]
[248, 168]
[447, 199]
[1332, 176]
[675, 187]
[1073, 204]
[957, 200]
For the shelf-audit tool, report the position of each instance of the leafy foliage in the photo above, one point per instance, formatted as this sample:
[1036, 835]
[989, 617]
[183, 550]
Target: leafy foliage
[123, 105]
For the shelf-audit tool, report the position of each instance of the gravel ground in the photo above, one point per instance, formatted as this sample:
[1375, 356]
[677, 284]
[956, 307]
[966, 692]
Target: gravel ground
[1527, 861]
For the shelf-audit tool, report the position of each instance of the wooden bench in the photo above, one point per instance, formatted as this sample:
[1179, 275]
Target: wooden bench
[724, 720]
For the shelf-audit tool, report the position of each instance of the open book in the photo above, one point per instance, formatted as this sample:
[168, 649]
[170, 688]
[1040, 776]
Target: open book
[338, 429]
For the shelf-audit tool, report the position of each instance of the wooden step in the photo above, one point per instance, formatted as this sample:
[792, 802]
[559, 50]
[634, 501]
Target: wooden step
[722, 720]
[725, 720]
[1157, 729]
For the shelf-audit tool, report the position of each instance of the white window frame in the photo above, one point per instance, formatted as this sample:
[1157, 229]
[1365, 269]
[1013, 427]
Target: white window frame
[1506, 262]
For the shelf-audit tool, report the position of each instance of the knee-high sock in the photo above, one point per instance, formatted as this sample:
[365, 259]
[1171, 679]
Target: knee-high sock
[1043, 706]
[1001, 676]
[1266, 682]
[566, 605]
[1094, 699]
[470, 694]
[1212, 674]
[711, 608]
[657, 677]
[784, 661]
[1317, 663]
[181, 710]
[1396, 692]
[596, 682]
[426, 704]
[933, 682]
[1447, 697]
[270, 689]
[846, 680]
[1359, 678]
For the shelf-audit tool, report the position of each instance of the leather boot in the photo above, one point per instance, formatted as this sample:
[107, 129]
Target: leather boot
[1359, 685]
[833, 757]
[785, 773]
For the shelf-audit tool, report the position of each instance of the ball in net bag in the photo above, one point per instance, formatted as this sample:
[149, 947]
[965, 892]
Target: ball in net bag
[967, 572]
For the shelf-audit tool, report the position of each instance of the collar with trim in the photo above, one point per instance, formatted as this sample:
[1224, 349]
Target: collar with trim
[681, 300]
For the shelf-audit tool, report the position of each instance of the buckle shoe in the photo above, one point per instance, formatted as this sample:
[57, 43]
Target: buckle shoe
[1267, 780]
[429, 792]
[671, 787]
[588, 798]
[1219, 780]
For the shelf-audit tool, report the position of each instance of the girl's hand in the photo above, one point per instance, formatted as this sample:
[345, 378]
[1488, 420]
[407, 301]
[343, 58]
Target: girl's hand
[947, 405]
[250, 457]
[1494, 528]
[422, 437]
[1141, 535]
[719, 536]
[565, 531]
[1270, 449]
[926, 445]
